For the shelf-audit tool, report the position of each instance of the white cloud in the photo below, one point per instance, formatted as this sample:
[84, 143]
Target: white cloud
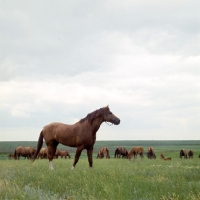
[61, 61]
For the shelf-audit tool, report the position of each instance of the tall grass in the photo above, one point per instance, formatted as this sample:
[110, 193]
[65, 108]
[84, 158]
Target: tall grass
[109, 179]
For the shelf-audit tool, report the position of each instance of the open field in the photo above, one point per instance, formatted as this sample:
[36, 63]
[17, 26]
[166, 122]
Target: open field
[109, 179]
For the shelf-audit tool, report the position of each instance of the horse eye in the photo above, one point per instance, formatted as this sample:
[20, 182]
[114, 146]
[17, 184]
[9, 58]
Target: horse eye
[110, 113]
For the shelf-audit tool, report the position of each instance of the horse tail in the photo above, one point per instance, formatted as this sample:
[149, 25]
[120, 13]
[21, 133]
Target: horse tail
[39, 146]
[15, 155]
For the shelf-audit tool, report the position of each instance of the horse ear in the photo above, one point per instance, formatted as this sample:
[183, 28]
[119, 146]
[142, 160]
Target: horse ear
[107, 107]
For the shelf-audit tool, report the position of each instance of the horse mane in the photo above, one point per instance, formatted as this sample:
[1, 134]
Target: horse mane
[93, 115]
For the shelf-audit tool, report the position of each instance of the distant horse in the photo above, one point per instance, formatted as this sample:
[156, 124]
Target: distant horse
[11, 156]
[82, 134]
[136, 150]
[43, 153]
[190, 154]
[121, 151]
[26, 152]
[62, 154]
[162, 156]
[103, 153]
[169, 158]
[99, 155]
[183, 153]
[151, 153]
[199, 155]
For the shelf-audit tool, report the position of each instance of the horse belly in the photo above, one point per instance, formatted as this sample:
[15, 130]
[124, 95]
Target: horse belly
[68, 140]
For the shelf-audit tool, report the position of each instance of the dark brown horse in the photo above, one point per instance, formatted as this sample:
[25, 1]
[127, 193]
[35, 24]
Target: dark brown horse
[26, 152]
[136, 150]
[103, 153]
[151, 153]
[62, 154]
[121, 151]
[183, 152]
[190, 154]
[81, 134]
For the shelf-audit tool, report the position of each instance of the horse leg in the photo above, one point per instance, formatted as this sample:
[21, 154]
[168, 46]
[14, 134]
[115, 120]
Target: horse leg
[51, 152]
[89, 154]
[78, 153]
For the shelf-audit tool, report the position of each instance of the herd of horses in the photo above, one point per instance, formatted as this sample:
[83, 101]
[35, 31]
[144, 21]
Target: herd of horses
[120, 152]
[28, 153]
[81, 135]
[139, 150]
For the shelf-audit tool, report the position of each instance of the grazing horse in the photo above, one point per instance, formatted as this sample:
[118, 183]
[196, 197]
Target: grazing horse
[99, 155]
[190, 154]
[169, 158]
[183, 153]
[26, 152]
[43, 153]
[11, 156]
[62, 154]
[121, 151]
[151, 153]
[82, 134]
[162, 156]
[136, 150]
[103, 153]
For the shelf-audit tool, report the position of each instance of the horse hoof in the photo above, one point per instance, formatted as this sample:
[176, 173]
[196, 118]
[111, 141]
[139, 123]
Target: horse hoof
[72, 168]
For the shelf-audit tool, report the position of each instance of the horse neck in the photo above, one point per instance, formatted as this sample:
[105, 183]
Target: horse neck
[97, 123]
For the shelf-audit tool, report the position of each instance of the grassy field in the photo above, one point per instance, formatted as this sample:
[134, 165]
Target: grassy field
[109, 178]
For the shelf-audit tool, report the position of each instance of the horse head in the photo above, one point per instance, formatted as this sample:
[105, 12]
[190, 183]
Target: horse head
[110, 117]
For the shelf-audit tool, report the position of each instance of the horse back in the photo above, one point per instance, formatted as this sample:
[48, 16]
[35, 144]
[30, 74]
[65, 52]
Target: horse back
[78, 134]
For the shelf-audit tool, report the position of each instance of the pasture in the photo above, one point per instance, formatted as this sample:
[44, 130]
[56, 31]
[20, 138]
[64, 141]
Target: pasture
[109, 178]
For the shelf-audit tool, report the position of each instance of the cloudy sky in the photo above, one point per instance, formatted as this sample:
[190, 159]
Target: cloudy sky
[60, 60]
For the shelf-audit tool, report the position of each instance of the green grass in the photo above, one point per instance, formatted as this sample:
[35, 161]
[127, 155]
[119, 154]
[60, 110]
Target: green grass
[109, 179]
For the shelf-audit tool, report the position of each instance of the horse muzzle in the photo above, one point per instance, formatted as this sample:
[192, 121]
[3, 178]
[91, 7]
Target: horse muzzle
[116, 121]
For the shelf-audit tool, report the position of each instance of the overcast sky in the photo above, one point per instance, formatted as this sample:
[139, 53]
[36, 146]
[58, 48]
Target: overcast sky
[60, 60]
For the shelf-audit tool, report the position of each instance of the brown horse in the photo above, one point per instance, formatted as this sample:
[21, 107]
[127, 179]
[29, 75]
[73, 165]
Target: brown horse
[82, 134]
[162, 156]
[136, 150]
[103, 153]
[43, 153]
[190, 154]
[11, 156]
[26, 152]
[169, 158]
[183, 152]
[121, 151]
[151, 153]
[62, 154]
